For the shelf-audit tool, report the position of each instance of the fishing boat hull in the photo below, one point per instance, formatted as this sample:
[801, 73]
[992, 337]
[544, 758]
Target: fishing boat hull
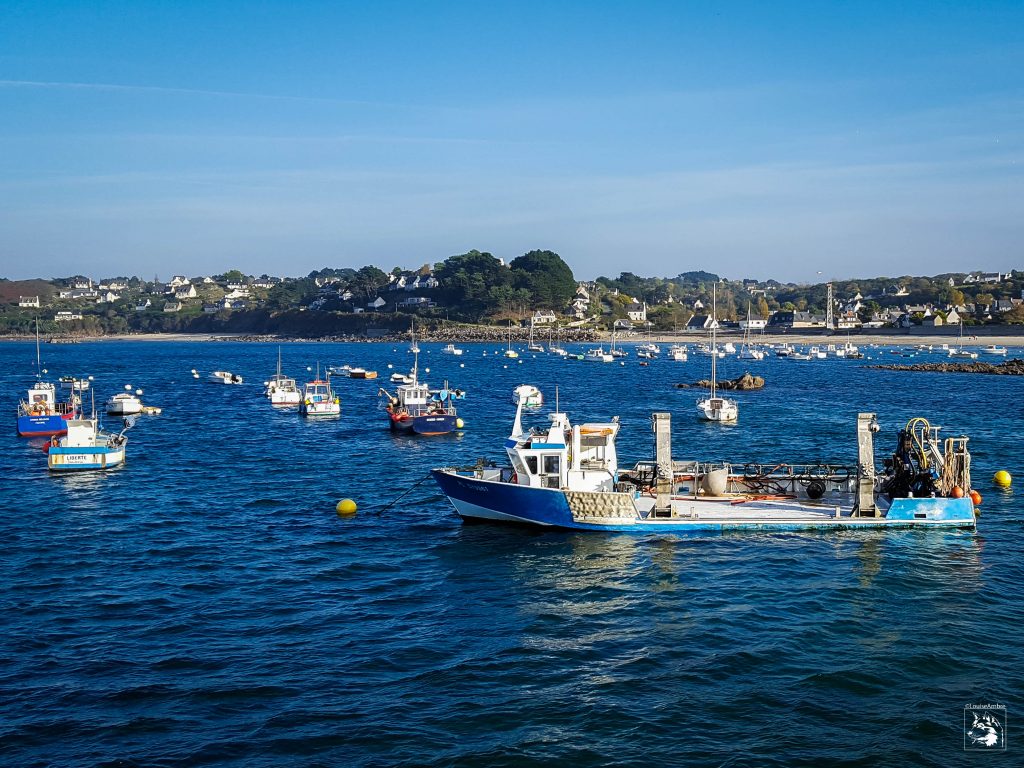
[429, 424]
[285, 398]
[84, 458]
[320, 410]
[480, 500]
[46, 425]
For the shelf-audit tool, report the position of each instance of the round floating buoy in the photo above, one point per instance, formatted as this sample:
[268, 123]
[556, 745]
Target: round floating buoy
[957, 492]
[1002, 478]
[975, 498]
[426, 370]
[459, 423]
[346, 508]
[390, 366]
[520, 362]
[462, 365]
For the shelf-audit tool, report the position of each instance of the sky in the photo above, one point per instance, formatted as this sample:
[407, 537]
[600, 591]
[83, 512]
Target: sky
[799, 141]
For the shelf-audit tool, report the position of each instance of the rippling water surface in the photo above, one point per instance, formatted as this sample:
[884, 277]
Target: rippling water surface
[204, 605]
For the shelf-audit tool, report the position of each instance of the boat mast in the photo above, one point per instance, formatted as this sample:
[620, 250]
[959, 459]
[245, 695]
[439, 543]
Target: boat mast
[39, 364]
[415, 353]
[714, 337]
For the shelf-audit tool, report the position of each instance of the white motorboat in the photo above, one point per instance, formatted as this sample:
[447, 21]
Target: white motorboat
[402, 378]
[729, 348]
[123, 404]
[528, 395]
[679, 353]
[993, 349]
[451, 349]
[817, 353]
[75, 383]
[225, 377]
[648, 350]
[714, 407]
[598, 355]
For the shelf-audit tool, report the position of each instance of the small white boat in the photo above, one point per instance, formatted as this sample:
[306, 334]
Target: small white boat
[87, 446]
[319, 400]
[402, 378]
[816, 353]
[993, 349]
[123, 404]
[451, 349]
[648, 351]
[282, 390]
[800, 356]
[557, 351]
[784, 351]
[225, 377]
[679, 353]
[729, 348]
[751, 353]
[528, 395]
[714, 407]
[362, 373]
[598, 356]
[964, 353]
[75, 383]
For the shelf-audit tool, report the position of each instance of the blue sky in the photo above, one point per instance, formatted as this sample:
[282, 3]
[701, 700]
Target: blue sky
[750, 139]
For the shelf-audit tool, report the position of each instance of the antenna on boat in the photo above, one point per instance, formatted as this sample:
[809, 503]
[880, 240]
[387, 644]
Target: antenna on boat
[556, 398]
[39, 364]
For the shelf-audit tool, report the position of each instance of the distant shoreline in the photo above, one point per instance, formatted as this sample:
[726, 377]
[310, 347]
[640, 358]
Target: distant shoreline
[497, 335]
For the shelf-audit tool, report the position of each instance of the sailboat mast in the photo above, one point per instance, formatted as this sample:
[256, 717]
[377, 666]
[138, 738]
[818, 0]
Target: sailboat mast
[714, 337]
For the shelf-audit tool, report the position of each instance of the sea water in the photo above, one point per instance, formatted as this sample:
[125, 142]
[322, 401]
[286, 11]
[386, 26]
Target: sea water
[204, 604]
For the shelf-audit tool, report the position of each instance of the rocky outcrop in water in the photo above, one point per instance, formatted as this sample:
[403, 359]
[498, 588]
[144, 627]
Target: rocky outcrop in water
[744, 382]
[1009, 368]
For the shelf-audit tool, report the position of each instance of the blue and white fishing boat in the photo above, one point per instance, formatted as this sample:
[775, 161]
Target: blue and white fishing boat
[414, 409]
[40, 414]
[87, 446]
[566, 476]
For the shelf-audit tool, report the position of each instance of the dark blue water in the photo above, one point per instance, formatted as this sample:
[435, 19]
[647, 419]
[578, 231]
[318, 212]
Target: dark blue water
[204, 604]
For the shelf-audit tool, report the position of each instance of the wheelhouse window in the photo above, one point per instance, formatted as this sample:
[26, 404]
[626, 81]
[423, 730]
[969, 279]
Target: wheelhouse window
[531, 464]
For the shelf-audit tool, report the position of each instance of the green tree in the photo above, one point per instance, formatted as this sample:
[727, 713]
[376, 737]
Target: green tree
[547, 279]
[471, 284]
[368, 280]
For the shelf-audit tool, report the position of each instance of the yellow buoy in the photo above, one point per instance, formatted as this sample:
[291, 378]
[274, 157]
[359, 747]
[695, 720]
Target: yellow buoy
[1002, 478]
[346, 508]
[459, 423]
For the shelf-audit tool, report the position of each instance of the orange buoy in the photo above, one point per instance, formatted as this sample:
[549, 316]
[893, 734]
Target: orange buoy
[976, 498]
[957, 492]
